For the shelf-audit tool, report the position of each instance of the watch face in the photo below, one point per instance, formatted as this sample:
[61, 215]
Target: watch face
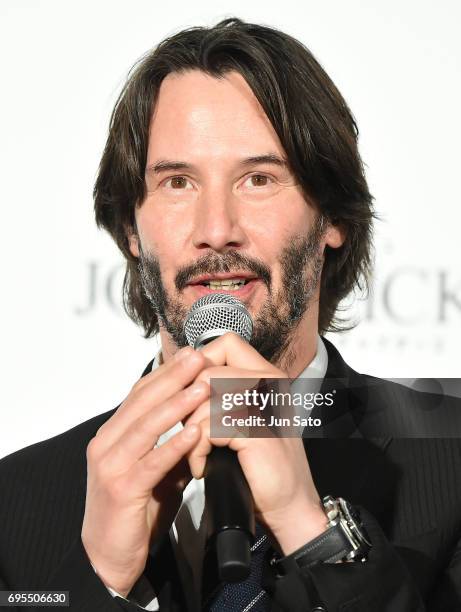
[352, 517]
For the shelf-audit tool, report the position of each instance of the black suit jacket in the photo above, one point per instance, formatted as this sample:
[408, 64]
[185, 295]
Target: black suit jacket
[409, 491]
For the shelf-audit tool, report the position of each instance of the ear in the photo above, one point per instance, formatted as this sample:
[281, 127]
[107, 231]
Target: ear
[335, 236]
[133, 243]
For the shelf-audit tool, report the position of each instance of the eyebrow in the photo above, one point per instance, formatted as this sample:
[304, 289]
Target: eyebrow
[165, 165]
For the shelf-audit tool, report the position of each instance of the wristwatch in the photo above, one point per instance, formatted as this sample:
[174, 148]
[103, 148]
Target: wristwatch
[345, 539]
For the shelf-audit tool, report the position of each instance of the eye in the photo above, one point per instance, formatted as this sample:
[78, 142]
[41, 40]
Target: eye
[257, 180]
[177, 182]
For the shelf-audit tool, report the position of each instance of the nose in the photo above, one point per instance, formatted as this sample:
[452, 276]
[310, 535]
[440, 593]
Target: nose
[217, 223]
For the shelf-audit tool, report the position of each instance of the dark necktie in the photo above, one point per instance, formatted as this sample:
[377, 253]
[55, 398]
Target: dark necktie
[248, 595]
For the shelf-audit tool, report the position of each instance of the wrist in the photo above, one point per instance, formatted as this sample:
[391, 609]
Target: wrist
[301, 524]
[121, 591]
[345, 539]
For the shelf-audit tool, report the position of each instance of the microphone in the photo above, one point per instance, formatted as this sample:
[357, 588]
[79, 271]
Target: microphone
[228, 496]
[214, 315]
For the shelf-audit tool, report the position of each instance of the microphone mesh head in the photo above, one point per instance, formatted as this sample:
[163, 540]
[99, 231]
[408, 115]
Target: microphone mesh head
[215, 314]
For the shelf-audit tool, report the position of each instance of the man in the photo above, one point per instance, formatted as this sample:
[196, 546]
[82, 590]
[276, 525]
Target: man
[232, 165]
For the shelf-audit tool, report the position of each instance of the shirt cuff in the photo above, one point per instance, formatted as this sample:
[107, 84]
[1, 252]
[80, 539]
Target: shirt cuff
[142, 591]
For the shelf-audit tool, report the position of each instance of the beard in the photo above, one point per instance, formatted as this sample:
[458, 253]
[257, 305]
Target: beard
[301, 265]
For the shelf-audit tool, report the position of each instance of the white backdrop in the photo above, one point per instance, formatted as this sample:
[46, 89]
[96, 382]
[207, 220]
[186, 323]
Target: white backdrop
[69, 352]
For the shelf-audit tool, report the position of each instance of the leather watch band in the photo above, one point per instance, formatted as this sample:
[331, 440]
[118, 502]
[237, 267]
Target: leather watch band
[329, 547]
[345, 539]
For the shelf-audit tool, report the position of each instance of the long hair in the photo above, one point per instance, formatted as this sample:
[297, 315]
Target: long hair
[309, 115]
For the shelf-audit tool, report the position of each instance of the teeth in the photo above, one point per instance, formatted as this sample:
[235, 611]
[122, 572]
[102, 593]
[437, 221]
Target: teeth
[229, 284]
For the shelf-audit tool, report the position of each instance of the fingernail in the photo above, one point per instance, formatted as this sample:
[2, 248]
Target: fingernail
[197, 388]
[190, 431]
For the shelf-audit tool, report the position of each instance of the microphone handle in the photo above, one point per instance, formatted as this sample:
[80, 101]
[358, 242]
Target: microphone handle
[230, 514]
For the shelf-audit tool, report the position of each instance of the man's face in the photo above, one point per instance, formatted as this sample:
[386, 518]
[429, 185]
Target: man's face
[223, 212]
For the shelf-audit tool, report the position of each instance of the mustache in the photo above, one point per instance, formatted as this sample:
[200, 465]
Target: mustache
[231, 261]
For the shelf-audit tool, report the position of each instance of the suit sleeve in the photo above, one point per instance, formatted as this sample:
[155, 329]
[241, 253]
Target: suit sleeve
[381, 583]
[87, 592]
[5, 587]
[447, 594]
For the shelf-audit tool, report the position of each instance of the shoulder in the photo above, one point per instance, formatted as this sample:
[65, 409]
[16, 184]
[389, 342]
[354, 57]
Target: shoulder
[397, 407]
[421, 400]
[403, 411]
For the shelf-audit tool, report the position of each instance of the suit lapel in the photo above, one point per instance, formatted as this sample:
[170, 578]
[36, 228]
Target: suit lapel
[342, 461]
[162, 572]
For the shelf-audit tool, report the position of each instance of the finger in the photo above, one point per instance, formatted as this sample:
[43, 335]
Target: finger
[224, 379]
[198, 455]
[199, 414]
[238, 440]
[142, 435]
[164, 367]
[169, 380]
[199, 418]
[230, 349]
[249, 389]
[149, 471]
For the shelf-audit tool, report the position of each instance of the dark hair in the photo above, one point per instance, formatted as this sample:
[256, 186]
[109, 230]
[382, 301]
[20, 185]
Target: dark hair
[309, 115]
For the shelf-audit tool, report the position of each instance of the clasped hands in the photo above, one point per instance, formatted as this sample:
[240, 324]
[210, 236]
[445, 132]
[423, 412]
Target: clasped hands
[277, 470]
[135, 489]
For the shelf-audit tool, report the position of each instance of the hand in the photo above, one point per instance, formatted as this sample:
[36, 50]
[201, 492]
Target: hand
[133, 489]
[276, 469]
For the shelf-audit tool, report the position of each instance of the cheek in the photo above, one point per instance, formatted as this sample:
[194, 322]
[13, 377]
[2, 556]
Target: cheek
[273, 227]
[161, 242]
[294, 217]
[163, 232]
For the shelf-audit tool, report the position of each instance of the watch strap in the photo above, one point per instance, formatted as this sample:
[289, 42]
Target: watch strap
[329, 547]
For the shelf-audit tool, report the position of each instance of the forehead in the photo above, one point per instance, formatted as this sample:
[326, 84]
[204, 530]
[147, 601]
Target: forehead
[204, 115]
